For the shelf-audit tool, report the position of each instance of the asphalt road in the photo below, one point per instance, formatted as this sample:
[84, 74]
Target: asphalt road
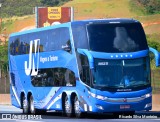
[12, 114]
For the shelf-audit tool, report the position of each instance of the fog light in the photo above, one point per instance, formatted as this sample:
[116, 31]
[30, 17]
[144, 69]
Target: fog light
[99, 107]
[148, 105]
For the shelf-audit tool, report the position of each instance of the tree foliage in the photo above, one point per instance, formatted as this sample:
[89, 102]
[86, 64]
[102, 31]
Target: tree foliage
[18, 7]
[152, 6]
[153, 43]
[53, 2]
[146, 6]
[25, 7]
[4, 57]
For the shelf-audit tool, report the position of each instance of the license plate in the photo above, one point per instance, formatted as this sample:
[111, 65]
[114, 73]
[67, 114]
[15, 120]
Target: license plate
[125, 107]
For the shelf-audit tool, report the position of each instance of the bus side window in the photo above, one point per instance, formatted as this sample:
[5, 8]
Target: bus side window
[64, 77]
[13, 78]
[84, 70]
[85, 74]
[53, 77]
[70, 78]
[65, 40]
[58, 39]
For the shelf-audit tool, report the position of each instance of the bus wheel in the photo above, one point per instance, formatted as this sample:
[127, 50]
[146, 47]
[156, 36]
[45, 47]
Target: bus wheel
[77, 110]
[25, 105]
[68, 107]
[31, 105]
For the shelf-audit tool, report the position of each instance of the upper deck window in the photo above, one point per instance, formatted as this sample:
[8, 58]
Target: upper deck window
[116, 37]
[80, 36]
[50, 40]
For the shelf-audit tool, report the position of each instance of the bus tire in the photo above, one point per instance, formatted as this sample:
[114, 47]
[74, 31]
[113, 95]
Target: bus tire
[67, 107]
[31, 105]
[77, 110]
[25, 105]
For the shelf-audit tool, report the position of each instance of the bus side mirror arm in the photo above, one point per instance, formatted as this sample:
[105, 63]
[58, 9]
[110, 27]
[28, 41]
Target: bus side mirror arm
[66, 47]
[90, 57]
[157, 56]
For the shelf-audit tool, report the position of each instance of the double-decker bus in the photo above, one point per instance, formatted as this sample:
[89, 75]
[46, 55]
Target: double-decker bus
[78, 67]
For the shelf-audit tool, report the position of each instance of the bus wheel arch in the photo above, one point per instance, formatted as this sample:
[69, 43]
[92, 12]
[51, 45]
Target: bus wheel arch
[32, 109]
[73, 95]
[28, 95]
[28, 99]
[63, 101]
[21, 98]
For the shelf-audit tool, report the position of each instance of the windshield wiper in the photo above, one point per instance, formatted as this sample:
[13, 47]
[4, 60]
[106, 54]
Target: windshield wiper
[141, 84]
[122, 86]
[108, 87]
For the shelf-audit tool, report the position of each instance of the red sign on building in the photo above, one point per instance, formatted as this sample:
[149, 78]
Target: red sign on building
[46, 16]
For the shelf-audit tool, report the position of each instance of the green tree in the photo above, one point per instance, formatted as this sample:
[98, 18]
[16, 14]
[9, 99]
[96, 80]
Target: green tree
[18, 7]
[152, 6]
[53, 2]
[4, 57]
[25, 7]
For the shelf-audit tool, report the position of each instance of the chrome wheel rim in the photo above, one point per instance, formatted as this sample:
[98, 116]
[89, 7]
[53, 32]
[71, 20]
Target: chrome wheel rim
[77, 107]
[32, 106]
[25, 106]
[67, 106]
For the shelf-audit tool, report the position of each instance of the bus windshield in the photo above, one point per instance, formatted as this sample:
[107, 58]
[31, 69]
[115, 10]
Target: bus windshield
[121, 73]
[116, 37]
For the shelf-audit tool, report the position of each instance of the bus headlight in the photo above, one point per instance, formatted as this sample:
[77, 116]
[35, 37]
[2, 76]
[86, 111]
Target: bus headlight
[92, 94]
[148, 95]
[99, 107]
[97, 96]
[148, 105]
[101, 97]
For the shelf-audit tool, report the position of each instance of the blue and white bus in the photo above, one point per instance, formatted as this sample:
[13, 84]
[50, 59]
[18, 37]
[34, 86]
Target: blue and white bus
[79, 67]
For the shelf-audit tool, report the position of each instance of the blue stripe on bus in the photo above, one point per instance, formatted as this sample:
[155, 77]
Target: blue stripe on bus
[104, 55]
[50, 101]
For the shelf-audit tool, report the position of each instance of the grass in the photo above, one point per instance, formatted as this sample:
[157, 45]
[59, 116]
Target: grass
[14, 24]
[136, 8]
[154, 37]
[100, 8]
[155, 78]
[149, 18]
[89, 9]
[153, 29]
[7, 26]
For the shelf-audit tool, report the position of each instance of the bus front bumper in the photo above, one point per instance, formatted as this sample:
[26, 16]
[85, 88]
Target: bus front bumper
[122, 104]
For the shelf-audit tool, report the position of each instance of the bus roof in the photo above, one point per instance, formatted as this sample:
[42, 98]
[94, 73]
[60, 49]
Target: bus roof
[110, 20]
